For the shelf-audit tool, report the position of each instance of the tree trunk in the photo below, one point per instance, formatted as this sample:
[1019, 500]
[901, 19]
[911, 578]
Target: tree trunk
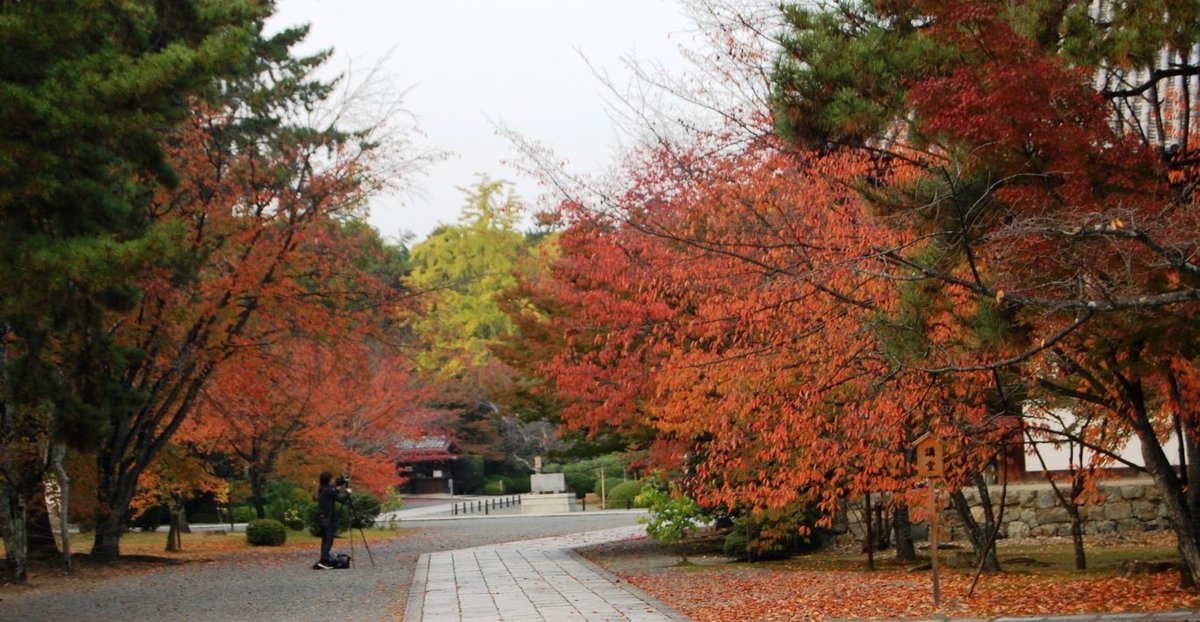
[184, 525]
[256, 493]
[39, 532]
[1072, 506]
[869, 541]
[174, 538]
[64, 490]
[1182, 521]
[14, 514]
[174, 534]
[976, 534]
[906, 549]
[106, 544]
[1077, 536]
[111, 519]
[1190, 454]
[883, 527]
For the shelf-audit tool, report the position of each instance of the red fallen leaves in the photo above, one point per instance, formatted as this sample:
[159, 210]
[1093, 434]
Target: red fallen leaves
[750, 594]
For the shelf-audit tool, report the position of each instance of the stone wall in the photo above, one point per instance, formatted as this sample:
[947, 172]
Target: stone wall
[1033, 510]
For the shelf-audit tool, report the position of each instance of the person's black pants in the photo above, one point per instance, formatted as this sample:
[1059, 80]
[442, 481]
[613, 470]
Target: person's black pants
[327, 531]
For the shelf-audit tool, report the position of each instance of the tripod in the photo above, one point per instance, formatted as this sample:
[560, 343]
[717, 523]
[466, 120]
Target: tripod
[354, 519]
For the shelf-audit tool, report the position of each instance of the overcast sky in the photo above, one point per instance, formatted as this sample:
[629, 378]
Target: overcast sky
[469, 64]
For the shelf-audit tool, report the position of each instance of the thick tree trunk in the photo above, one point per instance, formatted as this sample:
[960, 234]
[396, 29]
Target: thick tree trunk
[40, 533]
[906, 549]
[15, 515]
[1190, 455]
[106, 544]
[1177, 503]
[1174, 501]
[111, 519]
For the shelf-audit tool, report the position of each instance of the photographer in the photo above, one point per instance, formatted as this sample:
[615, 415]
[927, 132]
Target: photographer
[327, 494]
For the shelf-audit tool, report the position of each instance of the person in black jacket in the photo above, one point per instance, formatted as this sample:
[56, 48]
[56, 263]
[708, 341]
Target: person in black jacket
[327, 494]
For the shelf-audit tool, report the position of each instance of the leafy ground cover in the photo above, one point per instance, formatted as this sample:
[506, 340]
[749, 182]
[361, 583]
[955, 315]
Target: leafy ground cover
[1039, 579]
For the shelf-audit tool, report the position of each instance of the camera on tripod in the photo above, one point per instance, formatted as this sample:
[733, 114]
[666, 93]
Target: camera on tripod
[343, 480]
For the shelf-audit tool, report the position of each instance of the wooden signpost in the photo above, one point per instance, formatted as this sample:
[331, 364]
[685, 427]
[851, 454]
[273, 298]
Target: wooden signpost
[930, 459]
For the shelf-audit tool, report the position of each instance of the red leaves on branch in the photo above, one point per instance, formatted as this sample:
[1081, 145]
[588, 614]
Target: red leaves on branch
[723, 305]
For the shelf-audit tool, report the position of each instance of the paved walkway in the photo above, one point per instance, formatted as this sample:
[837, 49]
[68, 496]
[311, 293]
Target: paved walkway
[533, 580]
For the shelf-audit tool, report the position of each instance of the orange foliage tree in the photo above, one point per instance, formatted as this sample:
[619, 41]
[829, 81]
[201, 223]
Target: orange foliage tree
[297, 406]
[1047, 162]
[258, 256]
[955, 250]
[727, 305]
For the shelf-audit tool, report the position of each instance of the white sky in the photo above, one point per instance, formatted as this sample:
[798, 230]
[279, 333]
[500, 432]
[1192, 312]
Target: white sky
[470, 64]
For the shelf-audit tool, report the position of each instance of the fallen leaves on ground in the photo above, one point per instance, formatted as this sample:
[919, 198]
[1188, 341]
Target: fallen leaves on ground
[751, 594]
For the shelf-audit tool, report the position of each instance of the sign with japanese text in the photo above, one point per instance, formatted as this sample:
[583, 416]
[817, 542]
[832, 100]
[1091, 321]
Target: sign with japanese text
[930, 456]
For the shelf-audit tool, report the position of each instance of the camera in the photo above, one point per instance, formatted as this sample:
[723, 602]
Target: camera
[343, 480]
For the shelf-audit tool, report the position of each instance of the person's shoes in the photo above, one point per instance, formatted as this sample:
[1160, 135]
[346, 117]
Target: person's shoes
[321, 566]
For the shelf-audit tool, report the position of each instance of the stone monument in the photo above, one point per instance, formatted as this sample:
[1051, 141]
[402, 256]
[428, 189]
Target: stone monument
[549, 495]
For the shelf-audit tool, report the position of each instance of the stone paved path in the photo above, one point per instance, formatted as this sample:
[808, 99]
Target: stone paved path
[528, 581]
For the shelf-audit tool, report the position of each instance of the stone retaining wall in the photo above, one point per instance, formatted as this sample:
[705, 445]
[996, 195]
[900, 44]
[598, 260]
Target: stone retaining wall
[1033, 510]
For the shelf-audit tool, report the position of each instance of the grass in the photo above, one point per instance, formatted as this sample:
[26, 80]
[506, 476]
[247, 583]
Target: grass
[146, 551]
[209, 544]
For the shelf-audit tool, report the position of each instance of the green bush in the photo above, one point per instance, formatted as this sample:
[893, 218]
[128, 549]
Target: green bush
[773, 534]
[244, 514]
[584, 476]
[625, 491]
[581, 482]
[293, 518]
[265, 532]
[517, 484]
[493, 488]
[366, 508]
[672, 518]
[468, 475]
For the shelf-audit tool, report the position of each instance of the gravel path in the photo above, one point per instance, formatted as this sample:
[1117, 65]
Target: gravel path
[282, 587]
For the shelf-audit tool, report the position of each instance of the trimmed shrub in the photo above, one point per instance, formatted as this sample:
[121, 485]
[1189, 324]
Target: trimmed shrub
[493, 488]
[625, 491]
[517, 484]
[581, 482]
[265, 532]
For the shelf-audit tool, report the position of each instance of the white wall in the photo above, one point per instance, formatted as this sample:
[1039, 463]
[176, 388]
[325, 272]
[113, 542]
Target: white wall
[1058, 457]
